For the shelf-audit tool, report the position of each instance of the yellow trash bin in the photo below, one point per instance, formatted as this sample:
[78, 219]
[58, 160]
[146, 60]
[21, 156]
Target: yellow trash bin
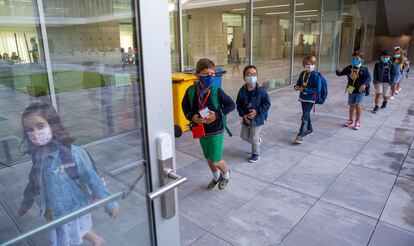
[181, 82]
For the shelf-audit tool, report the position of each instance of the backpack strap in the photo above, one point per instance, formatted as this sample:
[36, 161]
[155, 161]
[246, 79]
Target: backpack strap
[214, 100]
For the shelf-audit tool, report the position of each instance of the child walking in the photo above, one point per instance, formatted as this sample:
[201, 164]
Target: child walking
[60, 177]
[358, 79]
[253, 104]
[206, 107]
[309, 85]
[385, 72]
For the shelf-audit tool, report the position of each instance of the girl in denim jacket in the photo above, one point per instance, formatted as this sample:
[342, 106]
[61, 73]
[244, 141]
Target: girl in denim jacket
[56, 191]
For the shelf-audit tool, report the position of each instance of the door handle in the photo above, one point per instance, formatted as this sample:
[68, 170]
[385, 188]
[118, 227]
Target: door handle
[168, 173]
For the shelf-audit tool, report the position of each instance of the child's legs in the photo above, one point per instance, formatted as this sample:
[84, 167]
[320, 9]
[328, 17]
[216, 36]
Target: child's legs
[94, 238]
[304, 120]
[245, 133]
[222, 166]
[393, 89]
[308, 110]
[387, 91]
[358, 109]
[351, 112]
[213, 152]
[378, 93]
[212, 166]
[255, 139]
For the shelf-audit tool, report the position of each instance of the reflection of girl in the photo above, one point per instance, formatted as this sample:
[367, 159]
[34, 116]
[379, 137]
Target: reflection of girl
[60, 174]
[35, 50]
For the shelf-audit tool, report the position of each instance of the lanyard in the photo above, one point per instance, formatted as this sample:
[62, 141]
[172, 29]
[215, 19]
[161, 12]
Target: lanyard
[201, 105]
[303, 78]
[357, 73]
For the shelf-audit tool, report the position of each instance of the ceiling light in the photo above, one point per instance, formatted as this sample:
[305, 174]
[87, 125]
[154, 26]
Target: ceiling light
[304, 16]
[203, 3]
[277, 13]
[242, 9]
[306, 11]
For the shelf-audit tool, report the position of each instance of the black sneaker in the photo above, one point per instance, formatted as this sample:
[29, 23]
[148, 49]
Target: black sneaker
[308, 132]
[223, 182]
[213, 183]
[255, 158]
[375, 110]
[384, 105]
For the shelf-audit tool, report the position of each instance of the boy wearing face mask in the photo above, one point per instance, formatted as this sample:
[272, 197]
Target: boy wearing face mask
[385, 72]
[309, 85]
[358, 79]
[253, 104]
[397, 59]
[200, 109]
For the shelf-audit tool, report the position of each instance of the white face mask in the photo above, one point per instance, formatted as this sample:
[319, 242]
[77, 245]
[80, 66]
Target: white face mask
[40, 137]
[309, 68]
[251, 79]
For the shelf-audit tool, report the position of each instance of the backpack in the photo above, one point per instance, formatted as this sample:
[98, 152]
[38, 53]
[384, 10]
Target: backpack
[323, 94]
[214, 99]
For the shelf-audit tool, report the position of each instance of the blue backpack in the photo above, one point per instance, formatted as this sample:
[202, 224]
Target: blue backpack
[323, 94]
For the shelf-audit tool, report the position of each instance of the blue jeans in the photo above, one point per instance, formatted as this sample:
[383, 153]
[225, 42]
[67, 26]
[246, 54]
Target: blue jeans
[306, 118]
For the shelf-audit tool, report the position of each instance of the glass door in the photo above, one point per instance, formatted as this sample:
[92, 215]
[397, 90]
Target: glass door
[80, 126]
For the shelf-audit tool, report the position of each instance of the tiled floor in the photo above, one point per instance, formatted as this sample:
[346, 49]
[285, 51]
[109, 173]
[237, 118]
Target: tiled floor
[341, 187]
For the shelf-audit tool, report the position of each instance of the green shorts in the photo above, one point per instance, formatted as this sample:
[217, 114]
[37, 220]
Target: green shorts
[213, 147]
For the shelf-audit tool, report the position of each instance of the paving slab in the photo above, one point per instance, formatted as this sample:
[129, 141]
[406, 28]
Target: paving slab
[361, 189]
[312, 176]
[407, 170]
[381, 156]
[209, 239]
[207, 208]
[265, 219]
[386, 235]
[399, 210]
[183, 159]
[275, 162]
[189, 232]
[327, 224]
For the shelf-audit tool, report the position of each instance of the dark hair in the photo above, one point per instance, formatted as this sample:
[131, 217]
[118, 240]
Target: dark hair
[385, 53]
[204, 63]
[247, 68]
[47, 112]
[358, 53]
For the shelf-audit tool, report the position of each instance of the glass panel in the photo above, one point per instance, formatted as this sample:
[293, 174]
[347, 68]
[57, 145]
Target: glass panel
[272, 35]
[174, 35]
[329, 50]
[306, 37]
[217, 30]
[92, 61]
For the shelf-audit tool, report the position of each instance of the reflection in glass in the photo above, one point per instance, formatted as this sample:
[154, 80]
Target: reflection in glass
[306, 37]
[272, 35]
[84, 57]
[217, 30]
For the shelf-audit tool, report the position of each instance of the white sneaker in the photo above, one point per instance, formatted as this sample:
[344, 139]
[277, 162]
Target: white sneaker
[399, 89]
[391, 97]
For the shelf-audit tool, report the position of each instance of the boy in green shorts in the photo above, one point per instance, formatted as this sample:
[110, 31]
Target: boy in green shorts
[206, 107]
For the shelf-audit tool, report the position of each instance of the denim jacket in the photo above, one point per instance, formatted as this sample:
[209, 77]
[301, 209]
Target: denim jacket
[54, 190]
[393, 71]
[259, 101]
[312, 87]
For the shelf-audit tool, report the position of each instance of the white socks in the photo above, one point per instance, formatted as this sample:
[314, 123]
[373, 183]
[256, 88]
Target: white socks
[216, 176]
[226, 175]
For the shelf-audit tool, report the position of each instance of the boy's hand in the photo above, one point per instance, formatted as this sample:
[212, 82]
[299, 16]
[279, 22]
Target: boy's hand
[296, 88]
[196, 118]
[246, 119]
[114, 212]
[211, 117]
[339, 69]
[22, 211]
[252, 114]
[301, 89]
[362, 88]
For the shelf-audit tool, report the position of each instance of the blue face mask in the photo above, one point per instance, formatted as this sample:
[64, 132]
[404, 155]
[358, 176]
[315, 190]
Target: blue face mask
[206, 80]
[356, 62]
[397, 56]
[385, 59]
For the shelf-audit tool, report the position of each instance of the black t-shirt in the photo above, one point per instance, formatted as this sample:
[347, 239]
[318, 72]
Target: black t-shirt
[385, 77]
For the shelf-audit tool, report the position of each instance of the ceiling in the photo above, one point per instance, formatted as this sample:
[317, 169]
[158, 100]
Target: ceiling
[397, 16]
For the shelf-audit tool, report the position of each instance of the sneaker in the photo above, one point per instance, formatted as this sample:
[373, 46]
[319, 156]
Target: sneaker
[308, 132]
[384, 105]
[399, 89]
[255, 158]
[299, 140]
[391, 97]
[357, 125]
[223, 183]
[213, 183]
[375, 110]
[349, 123]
